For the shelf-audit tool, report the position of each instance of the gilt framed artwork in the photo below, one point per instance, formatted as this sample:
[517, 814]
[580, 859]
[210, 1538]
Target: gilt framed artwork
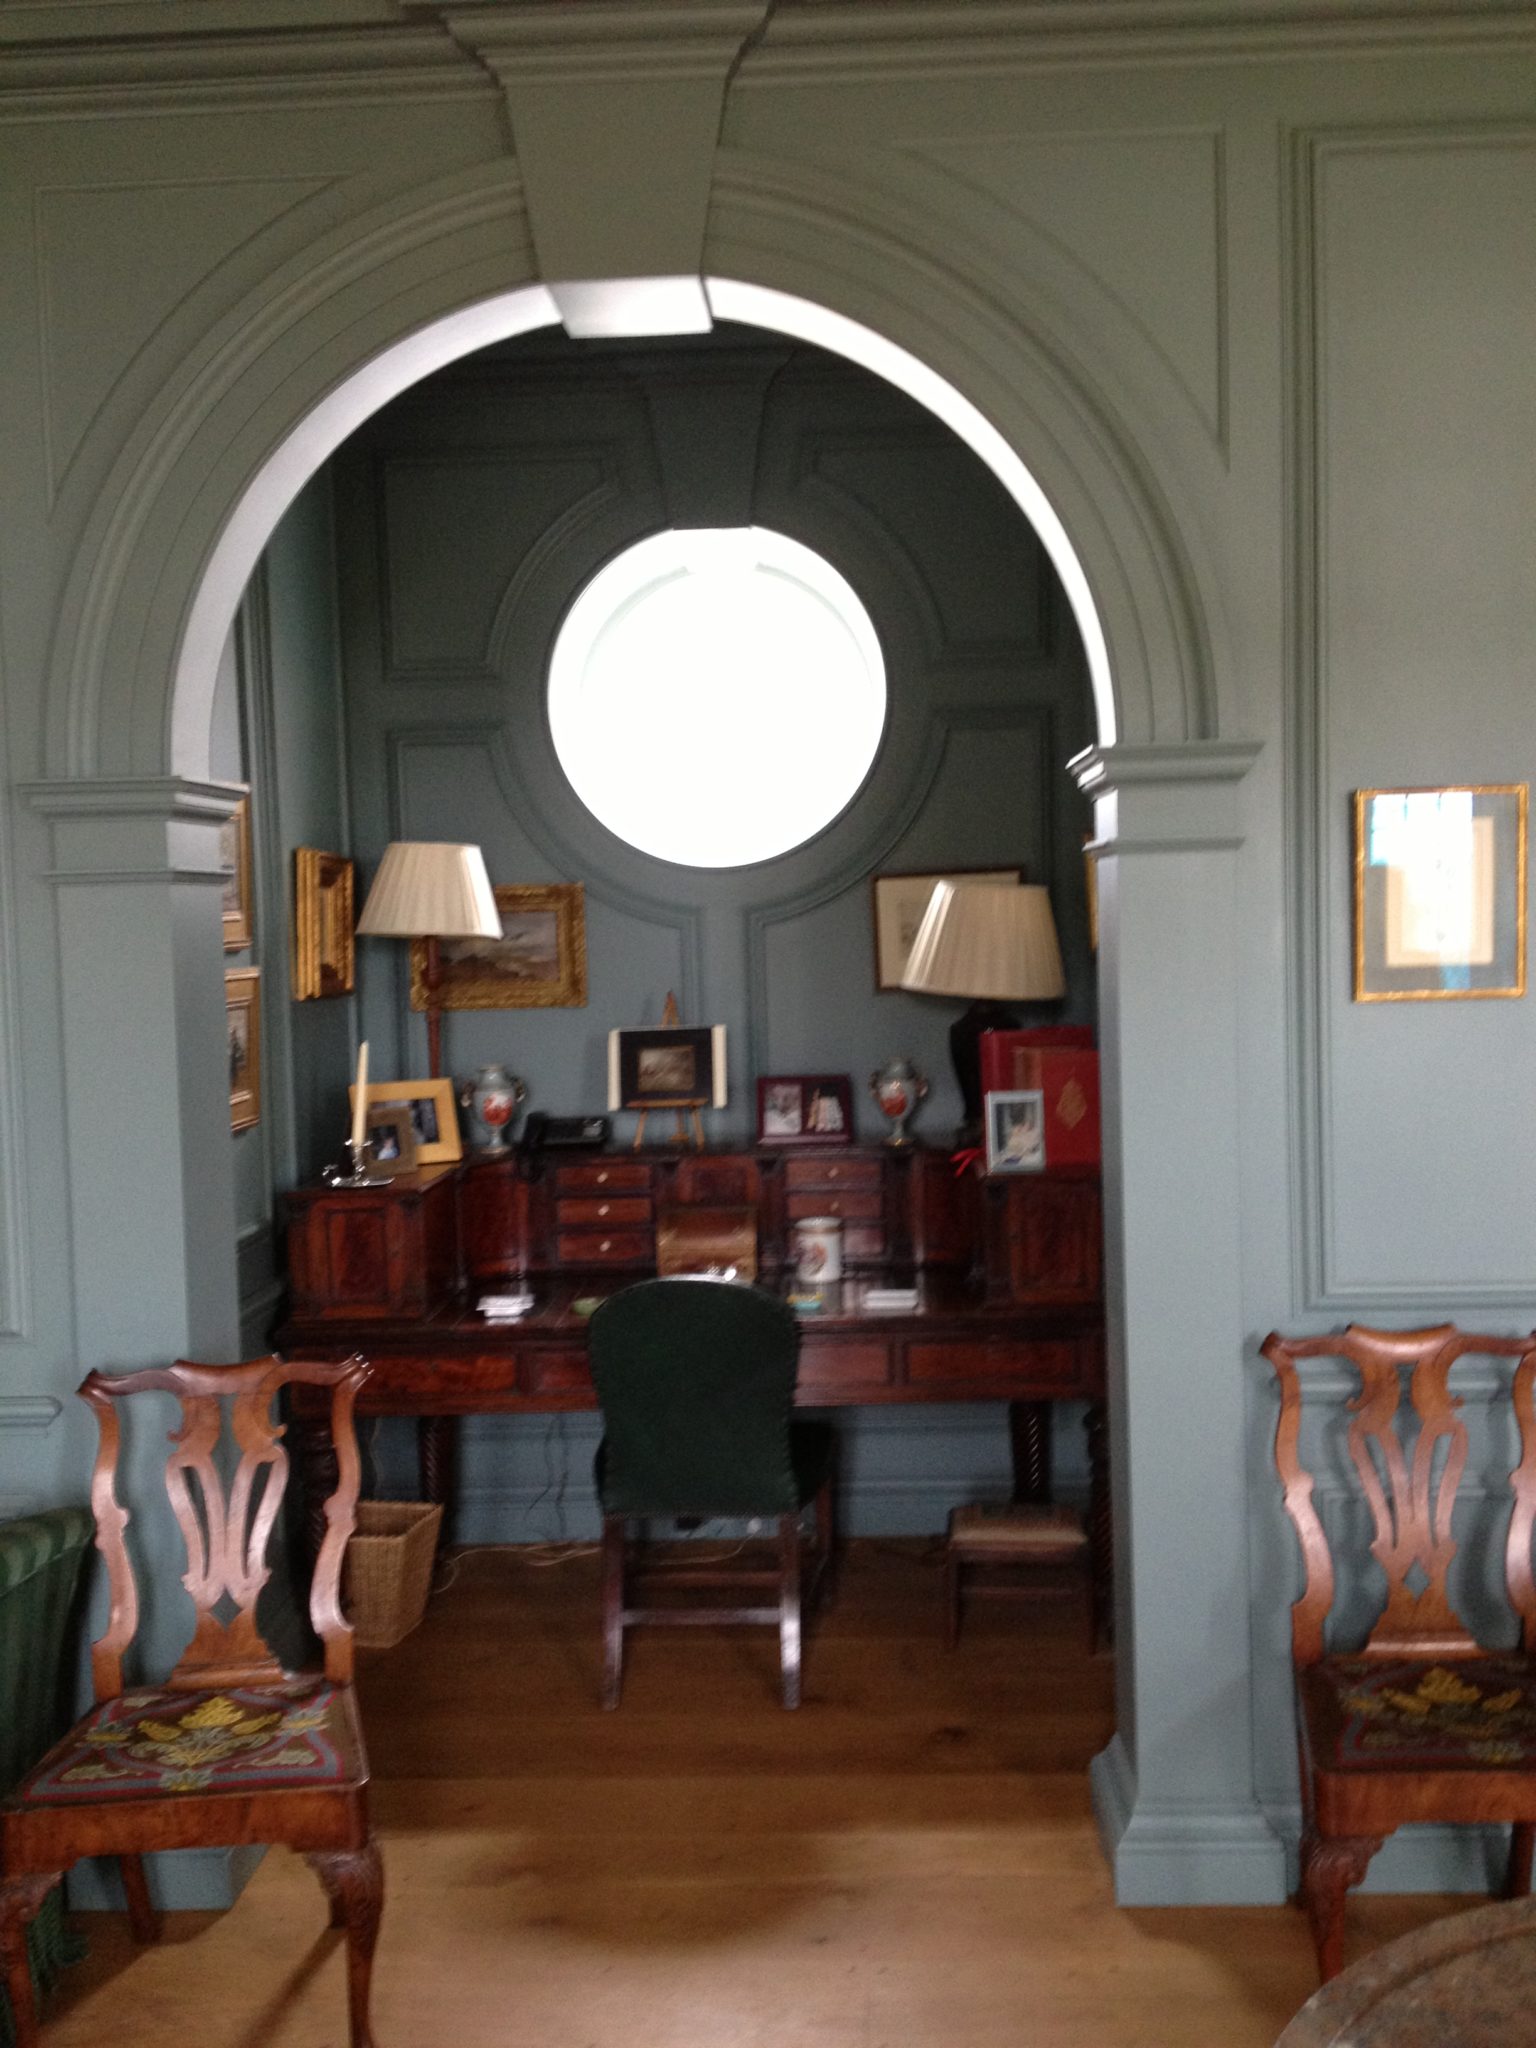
[1439, 893]
[242, 1010]
[235, 860]
[538, 963]
[323, 925]
[897, 905]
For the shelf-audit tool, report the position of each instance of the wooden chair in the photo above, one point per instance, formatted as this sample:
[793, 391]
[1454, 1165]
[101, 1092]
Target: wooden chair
[230, 1748]
[1422, 1723]
[1023, 1547]
[696, 1380]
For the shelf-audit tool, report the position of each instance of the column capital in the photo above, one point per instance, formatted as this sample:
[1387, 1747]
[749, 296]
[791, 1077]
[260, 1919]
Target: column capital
[1183, 798]
[154, 828]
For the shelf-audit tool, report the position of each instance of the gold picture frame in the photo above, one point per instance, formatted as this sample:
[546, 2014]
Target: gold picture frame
[1439, 893]
[323, 941]
[430, 1106]
[392, 1134]
[538, 963]
[235, 860]
[242, 1009]
[897, 903]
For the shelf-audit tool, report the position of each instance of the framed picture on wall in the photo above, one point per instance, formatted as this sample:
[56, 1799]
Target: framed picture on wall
[538, 963]
[804, 1109]
[897, 906]
[1440, 893]
[235, 860]
[429, 1106]
[242, 1010]
[322, 925]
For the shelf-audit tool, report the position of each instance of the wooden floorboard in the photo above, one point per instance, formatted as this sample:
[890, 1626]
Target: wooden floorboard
[909, 1861]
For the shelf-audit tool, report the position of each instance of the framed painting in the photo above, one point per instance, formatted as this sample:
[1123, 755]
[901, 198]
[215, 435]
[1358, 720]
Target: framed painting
[804, 1109]
[322, 925]
[430, 1108]
[1440, 893]
[235, 860]
[898, 903]
[242, 1010]
[538, 963]
[667, 1067]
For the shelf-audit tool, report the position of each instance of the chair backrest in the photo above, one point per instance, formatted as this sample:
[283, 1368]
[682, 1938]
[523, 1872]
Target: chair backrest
[226, 1527]
[696, 1379]
[1409, 1466]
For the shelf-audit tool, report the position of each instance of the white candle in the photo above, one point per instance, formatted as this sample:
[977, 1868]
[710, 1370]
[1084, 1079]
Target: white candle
[360, 1096]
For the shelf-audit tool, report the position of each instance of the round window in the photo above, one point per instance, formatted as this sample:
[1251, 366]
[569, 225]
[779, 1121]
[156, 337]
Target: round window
[717, 696]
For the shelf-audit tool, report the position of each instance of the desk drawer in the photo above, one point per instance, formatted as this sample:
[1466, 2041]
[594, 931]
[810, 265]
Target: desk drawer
[852, 1208]
[557, 1372]
[612, 1209]
[605, 1248]
[1043, 1368]
[832, 1173]
[831, 1368]
[608, 1176]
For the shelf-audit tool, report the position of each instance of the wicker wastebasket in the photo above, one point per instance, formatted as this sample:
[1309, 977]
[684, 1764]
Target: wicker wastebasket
[388, 1571]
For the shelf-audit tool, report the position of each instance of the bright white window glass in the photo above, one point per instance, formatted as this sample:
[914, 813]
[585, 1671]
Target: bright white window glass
[717, 696]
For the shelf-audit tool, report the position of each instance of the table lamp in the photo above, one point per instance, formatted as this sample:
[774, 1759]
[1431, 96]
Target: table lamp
[996, 945]
[425, 889]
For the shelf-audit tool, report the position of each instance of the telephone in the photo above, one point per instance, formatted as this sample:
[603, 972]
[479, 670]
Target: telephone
[564, 1133]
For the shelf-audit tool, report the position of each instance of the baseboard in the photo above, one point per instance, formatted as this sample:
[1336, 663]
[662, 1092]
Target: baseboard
[180, 1880]
[1429, 1857]
[1182, 1855]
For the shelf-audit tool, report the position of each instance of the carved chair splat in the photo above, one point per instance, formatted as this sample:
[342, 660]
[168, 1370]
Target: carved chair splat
[1423, 1722]
[230, 1748]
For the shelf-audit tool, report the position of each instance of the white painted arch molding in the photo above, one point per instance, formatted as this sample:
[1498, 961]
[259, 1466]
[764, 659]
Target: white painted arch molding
[253, 405]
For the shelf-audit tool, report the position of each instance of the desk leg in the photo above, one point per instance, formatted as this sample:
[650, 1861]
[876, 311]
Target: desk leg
[1029, 1435]
[437, 1451]
[1101, 1527]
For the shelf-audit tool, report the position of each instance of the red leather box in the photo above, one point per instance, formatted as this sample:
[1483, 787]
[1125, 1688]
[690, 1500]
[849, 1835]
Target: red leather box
[1065, 1070]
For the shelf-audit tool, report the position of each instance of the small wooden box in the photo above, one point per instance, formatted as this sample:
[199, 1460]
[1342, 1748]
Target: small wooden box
[391, 1250]
[693, 1239]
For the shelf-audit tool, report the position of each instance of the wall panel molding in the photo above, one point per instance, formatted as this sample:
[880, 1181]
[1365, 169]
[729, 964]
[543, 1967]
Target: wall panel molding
[1318, 886]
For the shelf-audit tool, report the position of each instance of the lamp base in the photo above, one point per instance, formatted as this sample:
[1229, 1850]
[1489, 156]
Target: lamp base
[965, 1052]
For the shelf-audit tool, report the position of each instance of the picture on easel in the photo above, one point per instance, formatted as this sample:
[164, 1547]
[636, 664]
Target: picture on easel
[668, 1066]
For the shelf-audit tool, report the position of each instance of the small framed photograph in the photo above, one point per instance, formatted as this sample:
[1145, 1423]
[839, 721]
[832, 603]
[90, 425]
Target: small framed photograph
[1016, 1130]
[898, 903]
[538, 963]
[322, 925]
[242, 1009]
[392, 1135]
[430, 1108]
[235, 860]
[1439, 893]
[668, 1067]
[804, 1109]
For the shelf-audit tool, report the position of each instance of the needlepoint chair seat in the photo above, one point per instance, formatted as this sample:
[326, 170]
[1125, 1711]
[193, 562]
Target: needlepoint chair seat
[696, 1382]
[230, 1748]
[1422, 1722]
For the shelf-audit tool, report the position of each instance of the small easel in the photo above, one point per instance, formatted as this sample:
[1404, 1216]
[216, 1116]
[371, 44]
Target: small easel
[671, 1021]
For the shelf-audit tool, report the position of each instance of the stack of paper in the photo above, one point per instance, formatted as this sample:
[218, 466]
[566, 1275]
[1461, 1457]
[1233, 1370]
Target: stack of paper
[890, 1297]
[503, 1308]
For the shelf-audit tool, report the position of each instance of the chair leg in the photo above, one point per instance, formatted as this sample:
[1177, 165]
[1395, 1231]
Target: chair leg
[21, 1900]
[1517, 1878]
[354, 1884]
[789, 1607]
[826, 1540]
[142, 1916]
[1329, 1866]
[614, 1531]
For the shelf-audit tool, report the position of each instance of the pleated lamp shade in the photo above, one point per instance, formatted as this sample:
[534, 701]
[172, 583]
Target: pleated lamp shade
[982, 939]
[428, 889]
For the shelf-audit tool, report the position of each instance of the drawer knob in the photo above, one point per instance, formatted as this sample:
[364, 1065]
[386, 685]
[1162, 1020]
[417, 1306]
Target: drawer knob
[602, 1208]
[602, 1177]
[832, 1173]
[606, 1245]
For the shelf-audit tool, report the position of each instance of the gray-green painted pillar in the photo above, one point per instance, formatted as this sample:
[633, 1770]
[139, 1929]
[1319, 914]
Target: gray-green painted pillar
[1175, 1789]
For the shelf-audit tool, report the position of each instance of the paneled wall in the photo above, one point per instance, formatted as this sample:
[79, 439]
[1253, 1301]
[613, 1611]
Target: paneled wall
[470, 515]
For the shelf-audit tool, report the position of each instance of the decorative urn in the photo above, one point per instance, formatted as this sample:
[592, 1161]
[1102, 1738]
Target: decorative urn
[898, 1088]
[493, 1099]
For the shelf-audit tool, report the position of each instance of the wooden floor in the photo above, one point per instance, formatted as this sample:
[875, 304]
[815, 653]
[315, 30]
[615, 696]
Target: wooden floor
[907, 1862]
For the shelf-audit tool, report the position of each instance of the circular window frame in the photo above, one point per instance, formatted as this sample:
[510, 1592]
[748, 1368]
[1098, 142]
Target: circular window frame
[599, 749]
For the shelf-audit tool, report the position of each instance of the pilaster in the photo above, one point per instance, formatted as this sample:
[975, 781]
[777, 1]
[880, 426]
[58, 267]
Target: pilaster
[1175, 1790]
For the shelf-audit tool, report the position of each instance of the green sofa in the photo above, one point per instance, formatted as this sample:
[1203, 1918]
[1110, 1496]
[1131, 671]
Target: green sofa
[41, 1557]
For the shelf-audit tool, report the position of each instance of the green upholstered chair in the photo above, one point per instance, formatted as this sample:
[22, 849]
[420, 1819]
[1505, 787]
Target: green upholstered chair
[40, 1569]
[696, 1379]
